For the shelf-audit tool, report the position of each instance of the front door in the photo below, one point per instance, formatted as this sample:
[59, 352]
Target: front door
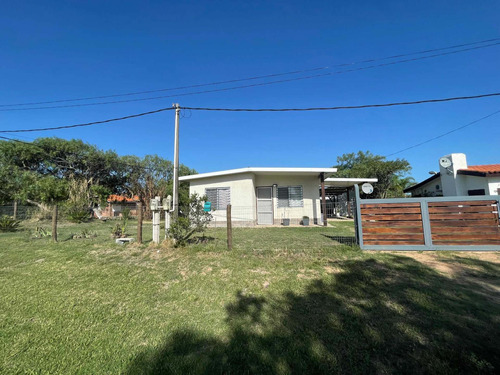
[265, 205]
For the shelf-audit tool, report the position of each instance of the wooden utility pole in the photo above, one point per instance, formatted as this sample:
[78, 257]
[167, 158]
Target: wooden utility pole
[54, 223]
[323, 198]
[175, 202]
[229, 228]
[139, 222]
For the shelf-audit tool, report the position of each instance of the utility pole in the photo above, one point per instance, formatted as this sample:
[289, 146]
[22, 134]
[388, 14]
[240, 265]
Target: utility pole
[175, 200]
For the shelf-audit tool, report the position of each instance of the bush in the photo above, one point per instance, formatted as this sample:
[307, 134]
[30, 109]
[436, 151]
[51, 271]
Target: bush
[78, 214]
[8, 224]
[195, 219]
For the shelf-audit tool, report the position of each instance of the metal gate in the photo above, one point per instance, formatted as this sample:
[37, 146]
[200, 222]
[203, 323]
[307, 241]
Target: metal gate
[444, 223]
[265, 205]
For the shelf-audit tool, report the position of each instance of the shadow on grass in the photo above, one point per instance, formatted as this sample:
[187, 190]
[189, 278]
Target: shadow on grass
[392, 316]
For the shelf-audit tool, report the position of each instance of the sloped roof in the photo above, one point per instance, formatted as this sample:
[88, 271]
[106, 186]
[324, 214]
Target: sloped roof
[486, 168]
[267, 170]
[122, 198]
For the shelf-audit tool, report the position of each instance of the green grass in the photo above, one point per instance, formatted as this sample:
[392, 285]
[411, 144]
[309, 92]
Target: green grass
[285, 300]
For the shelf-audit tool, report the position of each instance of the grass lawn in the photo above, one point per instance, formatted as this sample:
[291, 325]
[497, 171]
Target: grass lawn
[285, 300]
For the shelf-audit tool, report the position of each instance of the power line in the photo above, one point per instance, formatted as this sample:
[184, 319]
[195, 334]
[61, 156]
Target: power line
[343, 107]
[247, 79]
[88, 123]
[445, 134]
[439, 100]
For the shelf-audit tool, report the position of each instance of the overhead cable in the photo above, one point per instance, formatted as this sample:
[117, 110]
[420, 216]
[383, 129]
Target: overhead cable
[238, 80]
[425, 101]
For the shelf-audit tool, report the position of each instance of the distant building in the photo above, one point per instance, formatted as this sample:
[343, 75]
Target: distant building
[456, 178]
[118, 203]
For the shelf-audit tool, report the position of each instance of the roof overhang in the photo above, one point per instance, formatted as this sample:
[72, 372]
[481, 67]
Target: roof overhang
[468, 172]
[420, 184]
[347, 182]
[264, 171]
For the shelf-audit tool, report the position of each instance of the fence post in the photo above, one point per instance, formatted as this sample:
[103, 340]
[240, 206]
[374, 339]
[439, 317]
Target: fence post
[139, 222]
[54, 223]
[14, 215]
[426, 224]
[357, 217]
[229, 228]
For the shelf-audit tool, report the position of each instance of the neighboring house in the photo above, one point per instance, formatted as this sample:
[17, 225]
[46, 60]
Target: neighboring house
[117, 203]
[263, 196]
[459, 179]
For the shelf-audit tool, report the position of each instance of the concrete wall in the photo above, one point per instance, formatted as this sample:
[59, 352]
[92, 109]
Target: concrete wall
[310, 191]
[429, 189]
[244, 201]
[494, 186]
[466, 183]
[242, 191]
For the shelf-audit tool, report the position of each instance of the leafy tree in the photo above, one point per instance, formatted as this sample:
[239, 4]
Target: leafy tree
[391, 174]
[153, 176]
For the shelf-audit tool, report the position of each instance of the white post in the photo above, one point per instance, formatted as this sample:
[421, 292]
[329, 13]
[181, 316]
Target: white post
[155, 203]
[176, 162]
[167, 206]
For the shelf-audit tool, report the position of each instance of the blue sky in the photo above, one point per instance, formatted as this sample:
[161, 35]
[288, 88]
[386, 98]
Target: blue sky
[58, 50]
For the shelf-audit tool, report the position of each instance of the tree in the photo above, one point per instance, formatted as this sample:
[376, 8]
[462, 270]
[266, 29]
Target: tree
[391, 174]
[153, 176]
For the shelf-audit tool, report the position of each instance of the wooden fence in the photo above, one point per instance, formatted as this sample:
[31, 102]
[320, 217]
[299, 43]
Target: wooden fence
[445, 223]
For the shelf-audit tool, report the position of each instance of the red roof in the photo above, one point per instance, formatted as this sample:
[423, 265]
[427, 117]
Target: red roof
[122, 198]
[488, 168]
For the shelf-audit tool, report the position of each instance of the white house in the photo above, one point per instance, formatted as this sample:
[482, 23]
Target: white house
[264, 196]
[456, 178]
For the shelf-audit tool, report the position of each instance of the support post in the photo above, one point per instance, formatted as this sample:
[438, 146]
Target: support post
[54, 223]
[14, 214]
[175, 202]
[229, 228]
[155, 203]
[167, 207]
[323, 199]
[139, 222]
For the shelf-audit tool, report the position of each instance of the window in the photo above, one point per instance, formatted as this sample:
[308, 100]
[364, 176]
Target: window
[437, 187]
[290, 196]
[219, 197]
[476, 192]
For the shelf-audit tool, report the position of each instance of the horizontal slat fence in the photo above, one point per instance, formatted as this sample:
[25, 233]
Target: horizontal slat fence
[464, 222]
[392, 224]
[444, 223]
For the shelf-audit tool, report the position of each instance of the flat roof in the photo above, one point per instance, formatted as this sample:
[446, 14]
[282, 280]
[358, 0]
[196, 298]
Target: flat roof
[263, 171]
[347, 182]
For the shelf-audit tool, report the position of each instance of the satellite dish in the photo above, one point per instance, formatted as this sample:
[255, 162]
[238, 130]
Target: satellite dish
[445, 162]
[367, 188]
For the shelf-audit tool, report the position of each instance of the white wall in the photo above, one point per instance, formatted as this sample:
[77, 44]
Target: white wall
[466, 183]
[448, 176]
[493, 185]
[310, 190]
[242, 192]
[429, 189]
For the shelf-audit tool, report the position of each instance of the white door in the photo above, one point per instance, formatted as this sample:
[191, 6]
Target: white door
[265, 205]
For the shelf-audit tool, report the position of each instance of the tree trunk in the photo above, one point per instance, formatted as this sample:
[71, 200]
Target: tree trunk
[54, 224]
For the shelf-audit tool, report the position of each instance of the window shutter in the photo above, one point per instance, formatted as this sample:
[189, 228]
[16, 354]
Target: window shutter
[282, 196]
[223, 198]
[295, 196]
[212, 197]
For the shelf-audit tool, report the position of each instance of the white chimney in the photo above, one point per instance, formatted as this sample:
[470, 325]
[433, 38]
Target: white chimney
[448, 167]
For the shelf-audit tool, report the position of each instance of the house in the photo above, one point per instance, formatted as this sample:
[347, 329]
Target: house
[264, 196]
[456, 178]
[118, 203]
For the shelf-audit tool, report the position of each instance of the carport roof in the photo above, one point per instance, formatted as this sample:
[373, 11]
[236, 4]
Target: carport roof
[347, 182]
[264, 171]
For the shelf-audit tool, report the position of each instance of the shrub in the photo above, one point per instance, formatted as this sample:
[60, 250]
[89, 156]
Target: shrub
[41, 232]
[195, 219]
[8, 224]
[78, 214]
